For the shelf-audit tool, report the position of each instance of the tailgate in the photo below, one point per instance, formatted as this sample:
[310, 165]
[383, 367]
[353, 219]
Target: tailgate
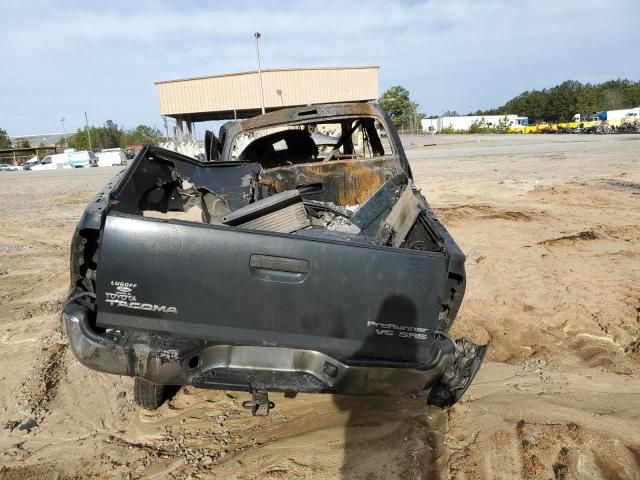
[255, 288]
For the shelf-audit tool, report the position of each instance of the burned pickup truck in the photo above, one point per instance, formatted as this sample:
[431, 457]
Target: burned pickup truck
[298, 256]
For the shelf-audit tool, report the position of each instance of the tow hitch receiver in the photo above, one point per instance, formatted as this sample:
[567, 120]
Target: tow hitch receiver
[259, 404]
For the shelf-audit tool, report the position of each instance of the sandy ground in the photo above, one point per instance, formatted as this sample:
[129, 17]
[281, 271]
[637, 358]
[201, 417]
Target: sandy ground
[551, 227]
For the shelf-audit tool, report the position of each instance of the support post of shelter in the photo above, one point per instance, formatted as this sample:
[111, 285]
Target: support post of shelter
[190, 130]
[166, 126]
[180, 130]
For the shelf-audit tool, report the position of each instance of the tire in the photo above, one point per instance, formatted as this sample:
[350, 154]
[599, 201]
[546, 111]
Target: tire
[148, 395]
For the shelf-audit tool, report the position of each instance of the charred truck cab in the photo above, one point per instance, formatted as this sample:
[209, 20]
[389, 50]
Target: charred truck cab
[298, 256]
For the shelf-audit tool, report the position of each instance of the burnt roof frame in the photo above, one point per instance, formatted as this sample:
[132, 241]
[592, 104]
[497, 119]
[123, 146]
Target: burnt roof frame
[315, 114]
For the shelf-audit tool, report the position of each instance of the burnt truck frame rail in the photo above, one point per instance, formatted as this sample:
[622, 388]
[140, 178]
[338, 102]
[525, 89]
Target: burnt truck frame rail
[306, 267]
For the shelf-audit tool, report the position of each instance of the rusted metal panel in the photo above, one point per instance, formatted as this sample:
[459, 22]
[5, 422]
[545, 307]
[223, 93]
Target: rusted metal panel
[292, 116]
[344, 182]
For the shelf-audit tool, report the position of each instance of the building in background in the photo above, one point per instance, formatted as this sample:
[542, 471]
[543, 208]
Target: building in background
[237, 95]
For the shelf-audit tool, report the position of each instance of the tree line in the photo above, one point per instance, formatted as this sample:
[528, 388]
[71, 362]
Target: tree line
[109, 135]
[561, 102]
[556, 104]
[5, 141]
[112, 135]
[396, 101]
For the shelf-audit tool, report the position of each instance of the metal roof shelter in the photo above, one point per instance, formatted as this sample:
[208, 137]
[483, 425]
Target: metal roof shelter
[237, 95]
[17, 156]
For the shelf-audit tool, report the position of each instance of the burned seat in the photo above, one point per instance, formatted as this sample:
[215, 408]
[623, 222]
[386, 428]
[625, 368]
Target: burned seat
[287, 147]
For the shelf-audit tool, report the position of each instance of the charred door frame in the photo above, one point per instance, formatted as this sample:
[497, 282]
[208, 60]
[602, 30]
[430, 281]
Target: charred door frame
[316, 113]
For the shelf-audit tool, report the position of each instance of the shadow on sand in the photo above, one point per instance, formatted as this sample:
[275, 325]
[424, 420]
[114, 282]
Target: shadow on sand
[392, 436]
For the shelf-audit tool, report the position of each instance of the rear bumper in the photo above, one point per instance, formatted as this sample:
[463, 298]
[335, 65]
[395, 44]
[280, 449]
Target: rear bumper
[168, 360]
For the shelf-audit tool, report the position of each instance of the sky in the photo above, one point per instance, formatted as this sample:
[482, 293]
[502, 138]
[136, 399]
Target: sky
[66, 57]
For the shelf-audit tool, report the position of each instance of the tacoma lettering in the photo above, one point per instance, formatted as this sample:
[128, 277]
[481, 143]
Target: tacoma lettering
[141, 306]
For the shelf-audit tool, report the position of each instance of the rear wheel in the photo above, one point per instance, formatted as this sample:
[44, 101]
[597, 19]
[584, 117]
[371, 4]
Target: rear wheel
[148, 395]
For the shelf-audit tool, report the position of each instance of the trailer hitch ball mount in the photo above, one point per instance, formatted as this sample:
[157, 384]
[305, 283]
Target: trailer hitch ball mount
[260, 405]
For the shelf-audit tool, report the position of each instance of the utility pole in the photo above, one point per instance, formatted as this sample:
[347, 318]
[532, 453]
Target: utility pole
[86, 121]
[257, 35]
[64, 133]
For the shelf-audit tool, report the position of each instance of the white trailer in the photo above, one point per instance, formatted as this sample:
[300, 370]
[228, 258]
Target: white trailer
[465, 122]
[616, 117]
[430, 125]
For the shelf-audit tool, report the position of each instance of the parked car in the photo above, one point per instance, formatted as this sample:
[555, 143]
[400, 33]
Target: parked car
[29, 165]
[6, 167]
[52, 162]
[271, 266]
[110, 157]
[81, 159]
